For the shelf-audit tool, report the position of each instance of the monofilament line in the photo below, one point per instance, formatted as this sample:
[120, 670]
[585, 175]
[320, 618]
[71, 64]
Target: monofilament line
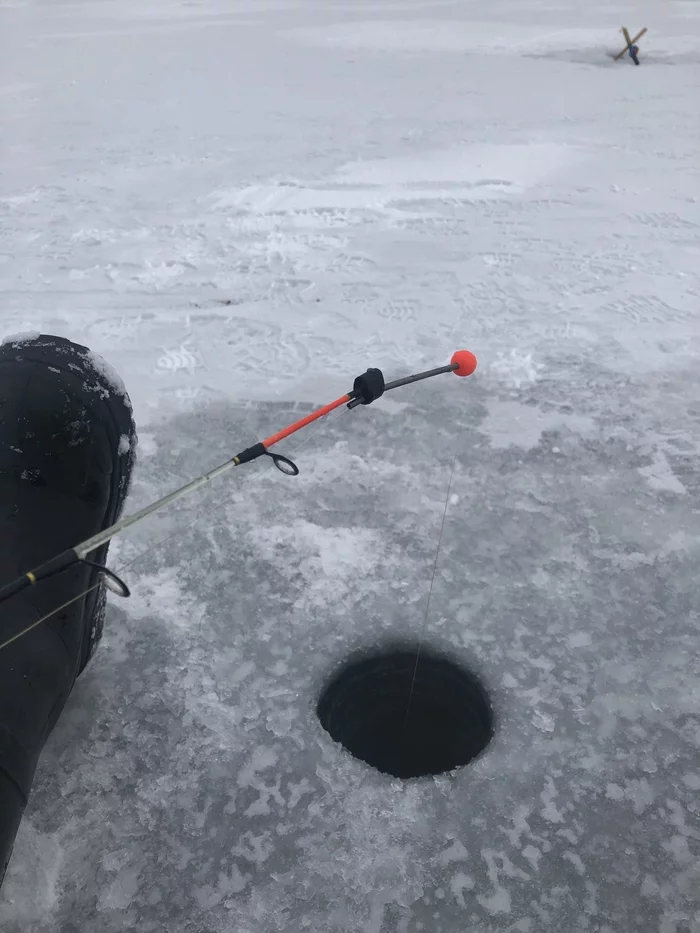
[432, 579]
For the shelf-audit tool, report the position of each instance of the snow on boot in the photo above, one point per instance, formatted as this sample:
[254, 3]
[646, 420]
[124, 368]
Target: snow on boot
[67, 442]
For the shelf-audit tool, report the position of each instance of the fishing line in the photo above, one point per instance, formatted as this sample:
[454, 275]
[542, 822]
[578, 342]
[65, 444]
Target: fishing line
[437, 552]
[435, 565]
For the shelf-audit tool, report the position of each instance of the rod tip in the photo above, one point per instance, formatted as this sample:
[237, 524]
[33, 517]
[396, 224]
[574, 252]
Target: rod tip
[464, 362]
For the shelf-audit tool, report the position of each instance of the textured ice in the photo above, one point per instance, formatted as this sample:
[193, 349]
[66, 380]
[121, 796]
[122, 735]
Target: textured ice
[262, 200]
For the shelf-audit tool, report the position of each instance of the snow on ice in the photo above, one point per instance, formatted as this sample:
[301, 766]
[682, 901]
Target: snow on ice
[241, 206]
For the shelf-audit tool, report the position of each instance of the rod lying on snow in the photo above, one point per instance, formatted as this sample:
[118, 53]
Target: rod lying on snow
[366, 388]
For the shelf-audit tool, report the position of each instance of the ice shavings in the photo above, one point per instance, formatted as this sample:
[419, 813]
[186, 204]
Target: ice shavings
[515, 369]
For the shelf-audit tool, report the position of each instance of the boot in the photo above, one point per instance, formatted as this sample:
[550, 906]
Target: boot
[67, 443]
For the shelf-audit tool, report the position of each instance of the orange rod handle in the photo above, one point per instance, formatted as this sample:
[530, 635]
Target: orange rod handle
[307, 419]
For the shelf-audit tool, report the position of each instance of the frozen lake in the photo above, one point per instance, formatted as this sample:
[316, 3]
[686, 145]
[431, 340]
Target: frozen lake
[242, 206]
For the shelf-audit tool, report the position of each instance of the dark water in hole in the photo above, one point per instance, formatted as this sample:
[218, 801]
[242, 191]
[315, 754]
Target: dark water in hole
[450, 722]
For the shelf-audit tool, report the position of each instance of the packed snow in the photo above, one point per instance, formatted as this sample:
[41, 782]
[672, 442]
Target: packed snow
[243, 205]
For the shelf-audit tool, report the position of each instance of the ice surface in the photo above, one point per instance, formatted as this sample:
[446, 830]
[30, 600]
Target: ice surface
[241, 206]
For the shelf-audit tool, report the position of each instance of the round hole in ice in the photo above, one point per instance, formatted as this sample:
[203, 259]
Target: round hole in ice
[365, 707]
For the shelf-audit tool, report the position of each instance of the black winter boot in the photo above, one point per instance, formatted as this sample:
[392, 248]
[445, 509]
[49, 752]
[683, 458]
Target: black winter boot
[67, 442]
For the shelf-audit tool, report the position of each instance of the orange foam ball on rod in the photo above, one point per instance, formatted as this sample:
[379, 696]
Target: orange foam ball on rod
[464, 362]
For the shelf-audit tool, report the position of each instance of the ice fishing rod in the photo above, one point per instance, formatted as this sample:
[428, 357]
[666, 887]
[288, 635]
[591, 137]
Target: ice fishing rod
[366, 389]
